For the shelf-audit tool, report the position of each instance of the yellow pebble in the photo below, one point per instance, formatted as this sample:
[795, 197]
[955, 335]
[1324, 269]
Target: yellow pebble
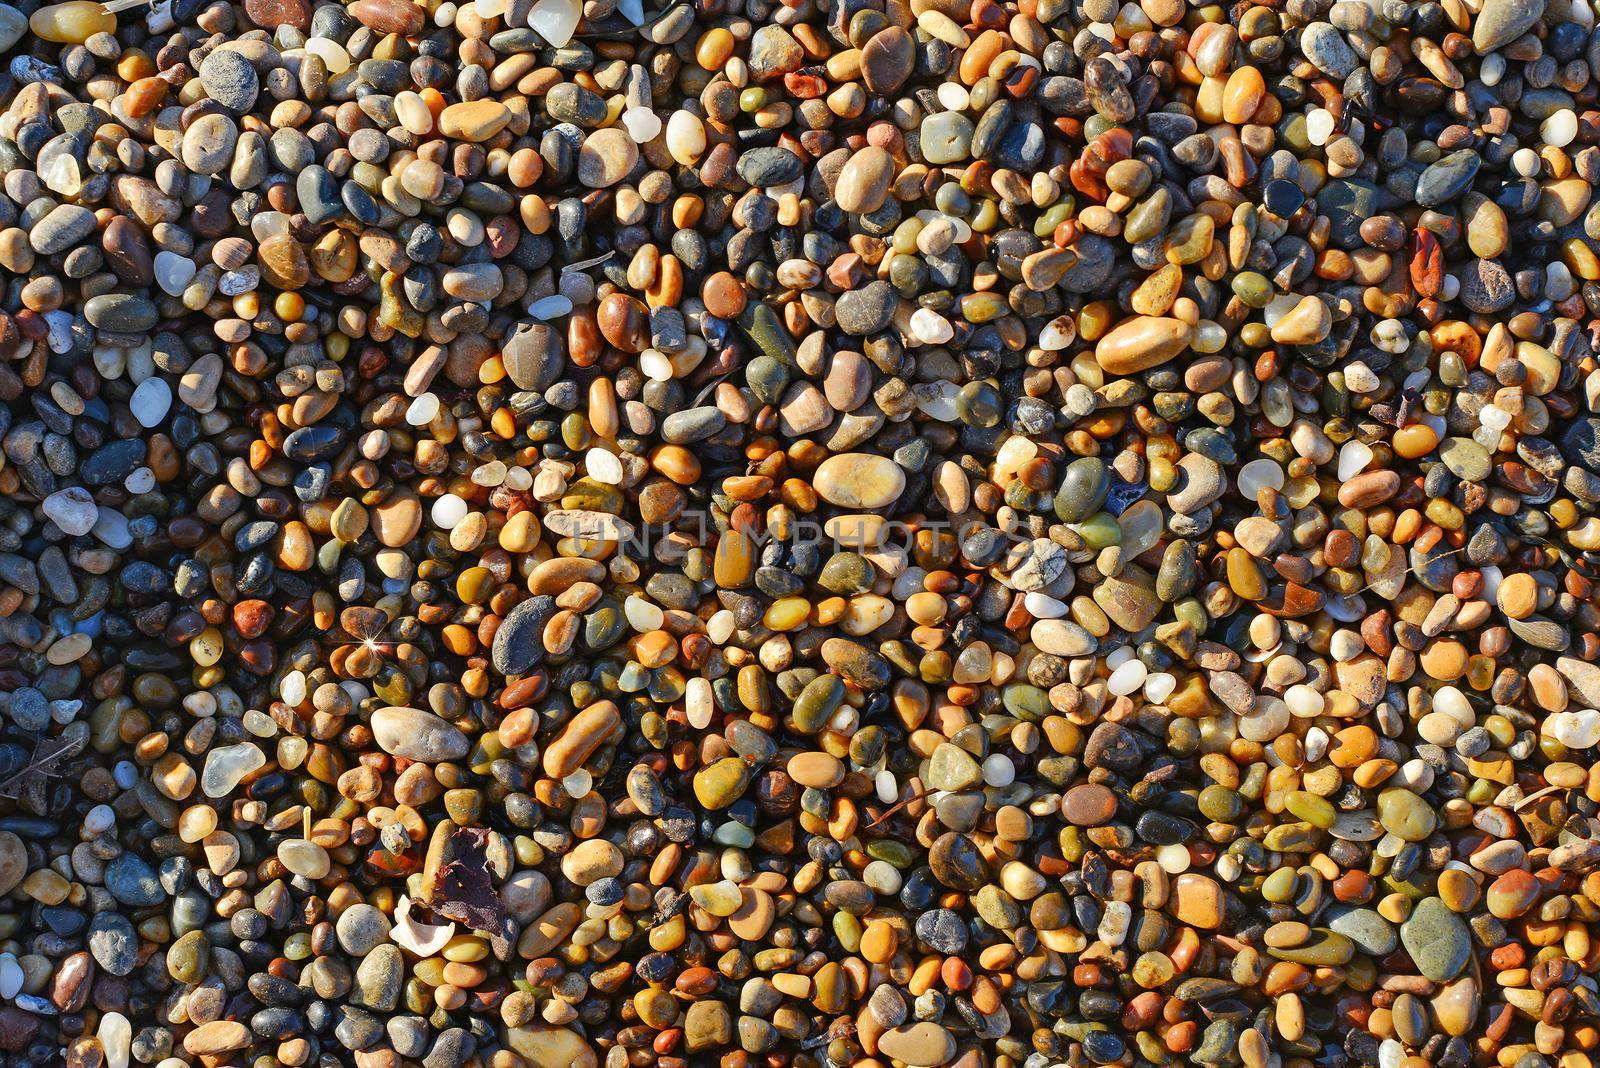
[73, 22]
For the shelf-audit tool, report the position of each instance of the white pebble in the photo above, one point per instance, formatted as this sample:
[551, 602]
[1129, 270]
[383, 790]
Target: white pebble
[998, 771]
[721, 625]
[1319, 126]
[292, 690]
[603, 466]
[142, 480]
[1345, 645]
[1453, 703]
[953, 96]
[1258, 475]
[698, 704]
[116, 1038]
[173, 272]
[886, 785]
[1575, 730]
[72, 509]
[642, 124]
[686, 137]
[931, 328]
[1303, 701]
[1173, 859]
[656, 365]
[1560, 129]
[332, 53]
[1353, 459]
[449, 511]
[112, 528]
[1058, 333]
[151, 402]
[423, 410]
[1159, 686]
[1415, 775]
[62, 176]
[643, 615]
[551, 307]
[1128, 678]
[492, 473]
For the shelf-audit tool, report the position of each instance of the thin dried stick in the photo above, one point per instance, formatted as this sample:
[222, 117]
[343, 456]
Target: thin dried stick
[896, 807]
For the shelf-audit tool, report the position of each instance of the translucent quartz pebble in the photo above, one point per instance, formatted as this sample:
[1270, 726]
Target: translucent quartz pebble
[73, 22]
[937, 400]
[1016, 451]
[304, 858]
[930, 328]
[555, 20]
[116, 1039]
[422, 411]
[227, 765]
[1353, 459]
[1159, 686]
[63, 176]
[1127, 678]
[642, 123]
[331, 52]
[173, 272]
[1258, 475]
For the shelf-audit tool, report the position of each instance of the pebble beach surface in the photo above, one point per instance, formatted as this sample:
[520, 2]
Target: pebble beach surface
[883, 533]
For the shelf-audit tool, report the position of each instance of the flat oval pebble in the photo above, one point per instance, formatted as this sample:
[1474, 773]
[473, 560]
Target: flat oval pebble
[417, 735]
[859, 480]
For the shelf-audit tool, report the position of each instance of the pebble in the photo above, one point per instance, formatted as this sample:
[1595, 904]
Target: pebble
[1437, 939]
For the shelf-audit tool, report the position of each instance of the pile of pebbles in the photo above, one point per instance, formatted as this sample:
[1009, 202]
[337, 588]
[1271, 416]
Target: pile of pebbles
[983, 533]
